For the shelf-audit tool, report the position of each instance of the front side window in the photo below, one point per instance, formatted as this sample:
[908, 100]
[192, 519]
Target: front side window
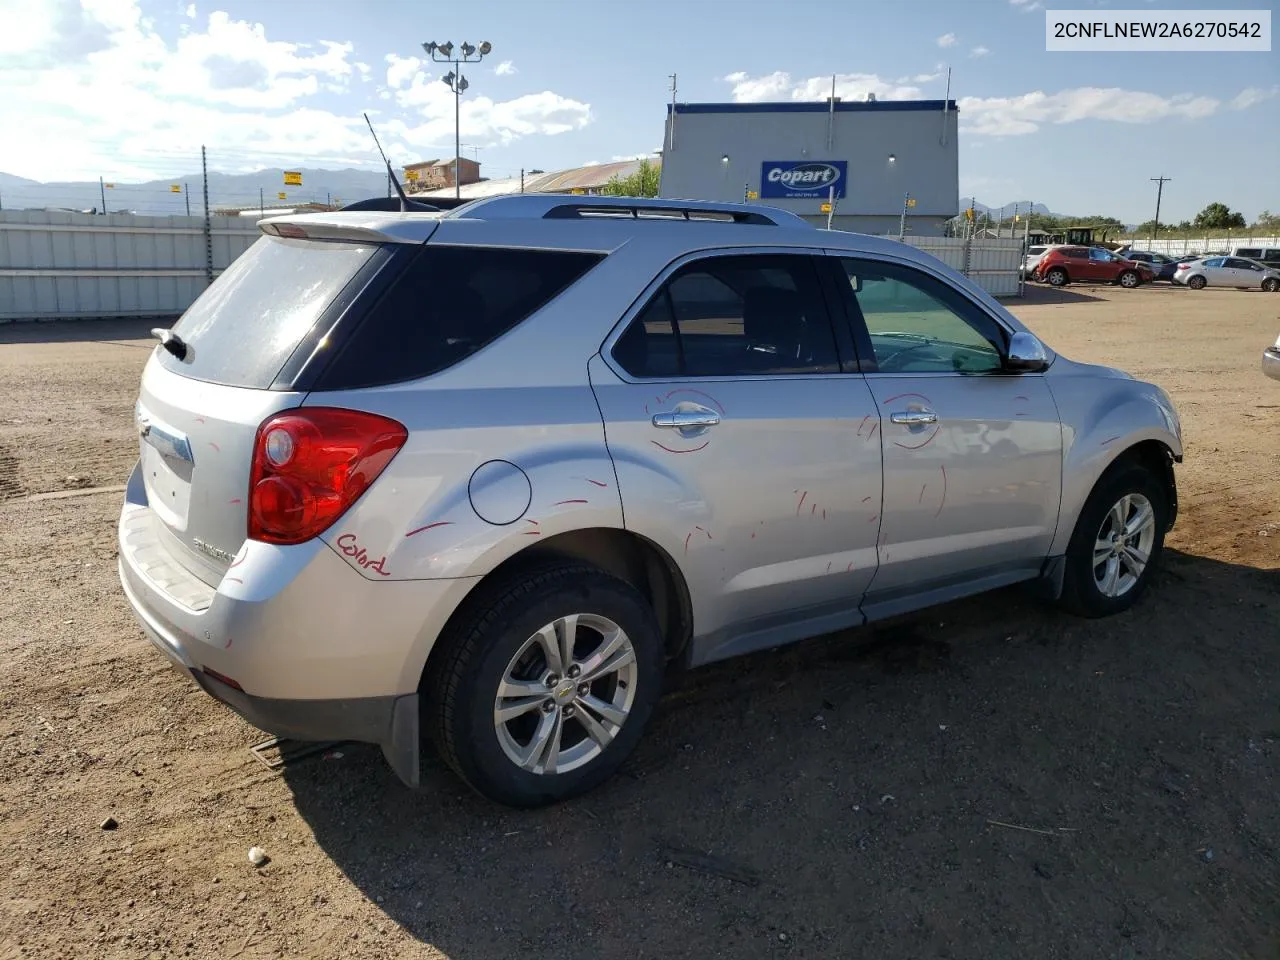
[1214, 262]
[1100, 255]
[734, 316]
[917, 324]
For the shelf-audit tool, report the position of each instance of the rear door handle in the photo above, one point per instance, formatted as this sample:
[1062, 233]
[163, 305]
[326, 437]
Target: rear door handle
[685, 419]
[914, 416]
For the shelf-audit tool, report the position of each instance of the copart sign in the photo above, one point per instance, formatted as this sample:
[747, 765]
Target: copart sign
[800, 179]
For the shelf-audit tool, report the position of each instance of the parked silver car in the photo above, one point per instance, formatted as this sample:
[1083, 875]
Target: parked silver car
[1222, 271]
[485, 474]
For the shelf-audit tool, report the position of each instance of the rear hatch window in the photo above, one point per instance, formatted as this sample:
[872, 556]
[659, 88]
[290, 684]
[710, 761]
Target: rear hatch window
[246, 325]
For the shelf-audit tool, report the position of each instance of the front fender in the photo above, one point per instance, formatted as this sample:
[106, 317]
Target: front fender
[1103, 419]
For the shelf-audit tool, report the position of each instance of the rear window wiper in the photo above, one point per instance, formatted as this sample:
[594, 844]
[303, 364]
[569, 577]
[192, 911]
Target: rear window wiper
[170, 341]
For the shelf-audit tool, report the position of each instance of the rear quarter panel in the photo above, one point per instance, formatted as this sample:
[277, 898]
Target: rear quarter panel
[1103, 416]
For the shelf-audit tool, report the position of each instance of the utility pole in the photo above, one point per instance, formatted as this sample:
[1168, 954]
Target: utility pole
[103, 191]
[671, 120]
[1160, 182]
[208, 226]
[261, 206]
[522, 179]
[902, 221]
[186, 193]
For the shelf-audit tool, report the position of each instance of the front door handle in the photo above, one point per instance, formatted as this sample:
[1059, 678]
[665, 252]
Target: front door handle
[914, 416]
[686, 419]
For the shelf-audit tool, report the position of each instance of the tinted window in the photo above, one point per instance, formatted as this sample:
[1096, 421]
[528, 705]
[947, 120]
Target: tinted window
[1214, 262]
[1097, 253]
[448, 303]
[918, 324]
[1239, 264]
[244, 327]
[1035, 250]
[1076, 253]
[1253, 253]
[733, 317]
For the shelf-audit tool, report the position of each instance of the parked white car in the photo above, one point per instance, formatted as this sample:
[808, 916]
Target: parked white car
[1034, 255]
[1271, 360]
[1223, 271]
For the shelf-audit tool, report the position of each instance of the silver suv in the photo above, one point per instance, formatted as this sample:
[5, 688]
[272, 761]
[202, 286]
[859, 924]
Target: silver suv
[485, 475]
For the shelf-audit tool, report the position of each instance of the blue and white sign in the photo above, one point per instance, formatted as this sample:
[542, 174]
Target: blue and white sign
[802, 179]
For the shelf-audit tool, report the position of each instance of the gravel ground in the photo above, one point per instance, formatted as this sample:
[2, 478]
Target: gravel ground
[990, 779]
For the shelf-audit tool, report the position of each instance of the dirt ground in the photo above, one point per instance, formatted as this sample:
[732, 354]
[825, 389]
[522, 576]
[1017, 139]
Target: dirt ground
[991, 779]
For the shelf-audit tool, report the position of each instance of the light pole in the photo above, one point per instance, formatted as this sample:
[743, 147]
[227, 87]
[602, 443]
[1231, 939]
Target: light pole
[444, 53]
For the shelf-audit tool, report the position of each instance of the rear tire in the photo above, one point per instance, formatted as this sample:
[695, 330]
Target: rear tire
[1057, 277]
[1197, 283]
[509, 651]
[1271, 284]
[1123, 521]
[1129, 279]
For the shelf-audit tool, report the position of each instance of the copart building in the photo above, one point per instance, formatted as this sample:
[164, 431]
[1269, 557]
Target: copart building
[877, 158]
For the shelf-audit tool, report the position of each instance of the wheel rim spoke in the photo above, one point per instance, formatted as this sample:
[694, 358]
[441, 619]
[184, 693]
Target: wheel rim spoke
[610, 644]
[566, 634]
[513, 689]
[1118, 514]
[596, 730]
[616, 662]
[611, 714]
[1111, 577]
[511, 709]
[543, 750]
[549, 641]
[1135, 560]
[1142, 518]
[1101, 550]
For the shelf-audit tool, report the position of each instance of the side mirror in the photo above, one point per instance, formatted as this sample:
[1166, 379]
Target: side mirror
[1026, 354]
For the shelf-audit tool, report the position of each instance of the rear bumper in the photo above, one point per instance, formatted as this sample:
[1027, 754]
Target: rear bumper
[390, 721]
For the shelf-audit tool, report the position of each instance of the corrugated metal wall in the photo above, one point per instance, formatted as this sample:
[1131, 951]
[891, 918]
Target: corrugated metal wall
[64, 265]
[1209, 243]
[991, 264]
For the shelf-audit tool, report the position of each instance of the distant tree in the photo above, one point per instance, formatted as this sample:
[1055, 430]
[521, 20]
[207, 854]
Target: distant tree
[1217, 216]
[642, 183]
[1149, 227]
[1184, 226]
[1268, 221]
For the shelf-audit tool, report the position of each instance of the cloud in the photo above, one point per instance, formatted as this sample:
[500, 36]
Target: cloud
[401, 70]
[96, 88]
[1252, 96]
[979, 52]
[1026, 6]
[779, 85]
[947, 40]
[1014, 116]
[925, 77]
[191, 11]
[505, 69]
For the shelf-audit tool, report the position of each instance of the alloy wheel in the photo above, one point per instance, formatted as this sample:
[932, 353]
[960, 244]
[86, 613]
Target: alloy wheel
[1122, 547]
[565, 694]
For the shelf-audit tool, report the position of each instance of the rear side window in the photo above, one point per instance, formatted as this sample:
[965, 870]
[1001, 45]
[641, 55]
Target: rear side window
[244, 327]
[733, 316]
[1076, 253]
[1253, 253]
[448, 303]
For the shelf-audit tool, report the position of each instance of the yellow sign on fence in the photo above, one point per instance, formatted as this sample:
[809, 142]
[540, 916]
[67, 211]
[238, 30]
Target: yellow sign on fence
[293, 178]
[411, 175]
[825, 208]
[175, 188]
[911, 201]
[109, 186]
[753, 194]
[281, 195]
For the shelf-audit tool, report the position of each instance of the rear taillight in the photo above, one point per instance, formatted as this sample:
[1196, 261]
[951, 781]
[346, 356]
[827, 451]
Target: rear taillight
[1184, 266]
[310, 466]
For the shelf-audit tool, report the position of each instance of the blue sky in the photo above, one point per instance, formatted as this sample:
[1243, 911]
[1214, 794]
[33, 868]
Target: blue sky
[129, 89]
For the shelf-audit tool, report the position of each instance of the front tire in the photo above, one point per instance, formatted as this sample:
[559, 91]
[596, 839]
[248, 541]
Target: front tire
[1197, 282]
[1129, 279]
[1057, 277]
[1117, 542]
[543, 686]
[1271, 284]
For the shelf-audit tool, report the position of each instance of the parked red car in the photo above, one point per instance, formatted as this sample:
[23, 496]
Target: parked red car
[1063, 265]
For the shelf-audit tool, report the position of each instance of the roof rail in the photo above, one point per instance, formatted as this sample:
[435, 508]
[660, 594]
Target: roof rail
[548, 206]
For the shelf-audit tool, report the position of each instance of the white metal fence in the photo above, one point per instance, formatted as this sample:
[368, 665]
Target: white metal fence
[1207, 244]
[992, 264]
[67, 265]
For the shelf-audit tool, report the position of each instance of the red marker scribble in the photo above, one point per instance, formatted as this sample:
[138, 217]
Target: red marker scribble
[533, 533]
[865, 499]
[234, 501]
[199, 419]
[848, 568]
[1109, 440]
[216, 448]
[1028, 399]
[824, 514]
[863, 423]
[753, 534]
[686, 541]
[534, 522]
[349, 545]
[901, 395]
[828, 566]
[233, 579]
[672, 393]
[237, 561]
[1022, 414]
[707, 532]
[598, 483]
[430, 526]
[813, 509]
[918, 446]
[922, 490]
[561, 503]
[874, 427]
[801, 503]
[669, 450]
[944, 492]
[873, 518]
[227, 645]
